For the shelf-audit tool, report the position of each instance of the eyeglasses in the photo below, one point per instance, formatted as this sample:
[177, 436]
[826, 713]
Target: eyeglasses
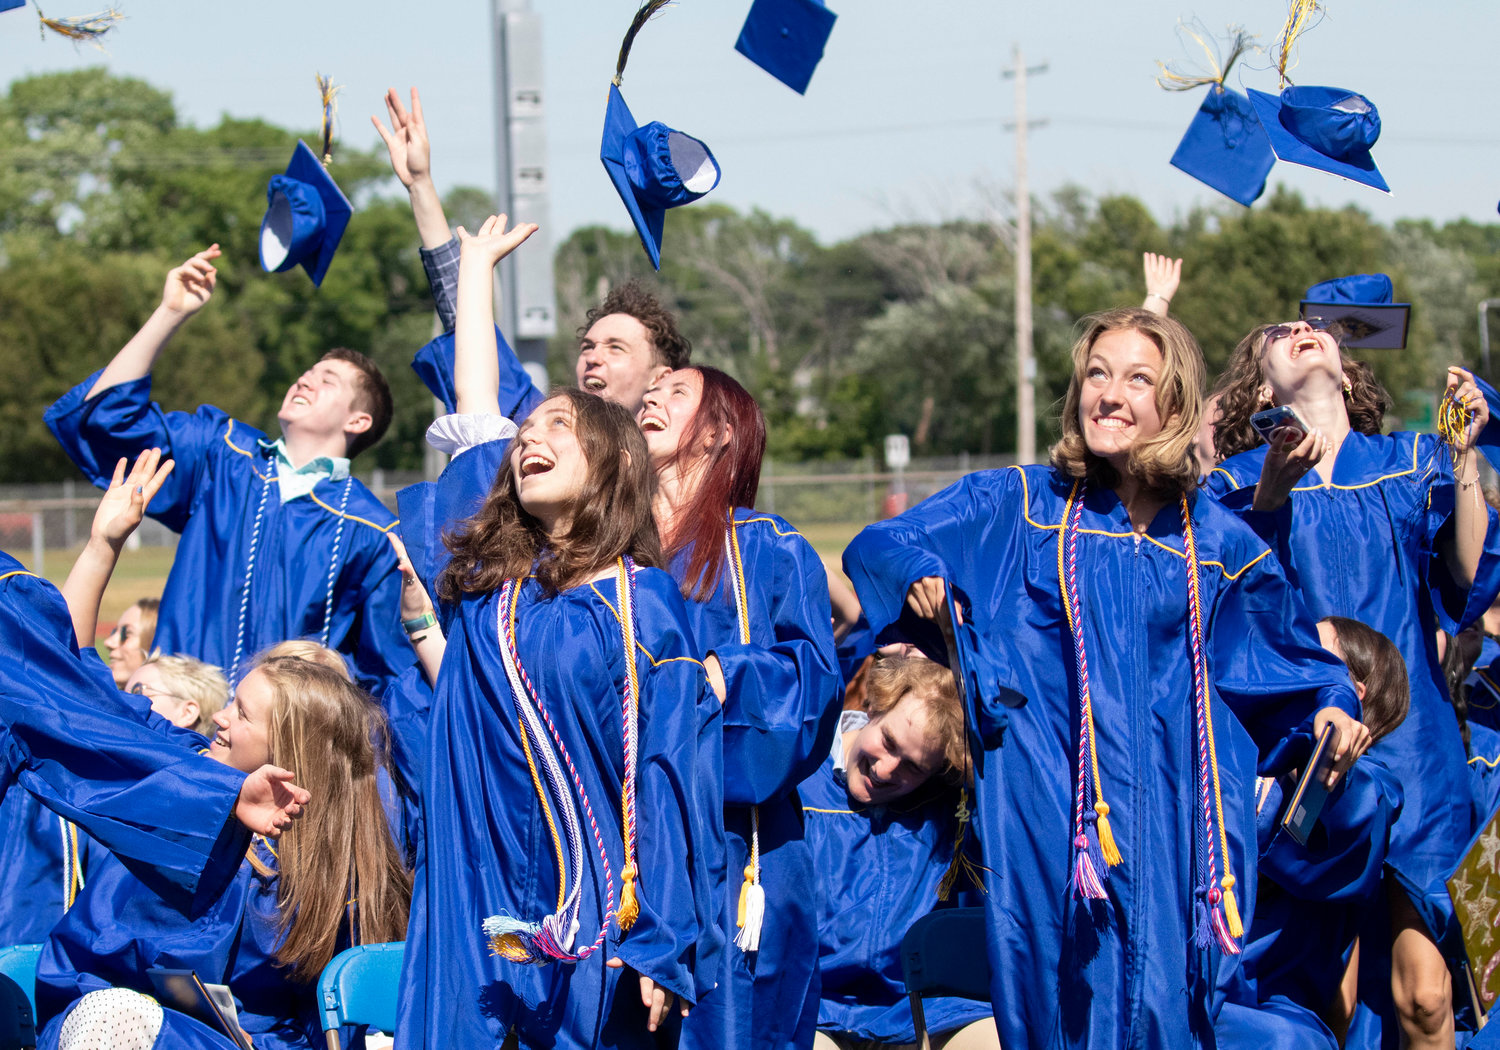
[1281, 331]
[140, 690]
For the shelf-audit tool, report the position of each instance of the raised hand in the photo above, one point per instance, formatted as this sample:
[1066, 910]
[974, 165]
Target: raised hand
[269, 801]
[414, 599]
[1163, 274]
[125, 501]
[190, 285]
[1292, 455]
[493, 242]
[1463, 389]
[406, 141]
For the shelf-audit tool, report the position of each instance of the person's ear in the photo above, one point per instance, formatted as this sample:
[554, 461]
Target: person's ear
[358, 423]
[625, 460]
[187, 714]
[719, 439]
[659, 373]
[1359, 691]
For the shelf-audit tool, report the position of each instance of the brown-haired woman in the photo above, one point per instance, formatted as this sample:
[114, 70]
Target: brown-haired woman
[572, 786]
[334, 879]
[1164, 656]
[1389, 529]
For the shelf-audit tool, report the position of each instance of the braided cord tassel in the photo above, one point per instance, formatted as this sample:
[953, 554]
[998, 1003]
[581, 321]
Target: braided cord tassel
[1224, 921]
[630, 908]
[260, 515]
[751, 913]
[333, 566]
[1088, 876]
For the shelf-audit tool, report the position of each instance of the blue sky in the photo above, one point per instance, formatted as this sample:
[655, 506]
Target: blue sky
[903, 119]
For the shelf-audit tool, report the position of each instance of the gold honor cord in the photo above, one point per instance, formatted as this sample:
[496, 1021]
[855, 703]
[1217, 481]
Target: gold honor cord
[751, 913]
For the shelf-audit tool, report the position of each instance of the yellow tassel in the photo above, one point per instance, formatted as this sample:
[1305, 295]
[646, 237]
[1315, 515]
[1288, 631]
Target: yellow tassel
[745, 895]
[1231, 909]
[630, 908]
[509, 946]
[1107, 837]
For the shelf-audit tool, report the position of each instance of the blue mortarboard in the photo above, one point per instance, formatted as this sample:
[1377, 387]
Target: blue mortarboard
[1226, 148]
[11, 5]
[305, 217]
[1362, 307]
[1326, 128]
[786, 38]
[653, 168]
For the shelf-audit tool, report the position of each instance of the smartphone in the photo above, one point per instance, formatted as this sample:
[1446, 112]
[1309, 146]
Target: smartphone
[1270, 420]
[1312, 789]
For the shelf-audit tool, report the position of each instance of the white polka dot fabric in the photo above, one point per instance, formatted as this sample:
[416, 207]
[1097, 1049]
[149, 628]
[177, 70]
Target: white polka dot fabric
[112, 1019]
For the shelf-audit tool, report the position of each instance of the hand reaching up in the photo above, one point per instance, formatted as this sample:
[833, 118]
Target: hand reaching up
[406, 141]
[125, 502]
[1163, 275]
[493, 242]
[190, 285]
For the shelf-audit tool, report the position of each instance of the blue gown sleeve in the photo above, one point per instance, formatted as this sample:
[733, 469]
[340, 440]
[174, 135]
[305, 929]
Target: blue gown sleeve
[381, 652]
[680, 838]
[97, 432]
[66, 737]
[1266, 662]
[781, 701]
[518, 394]
[429, 510]
[1344, 858]
[886, 558]
[1457, 606]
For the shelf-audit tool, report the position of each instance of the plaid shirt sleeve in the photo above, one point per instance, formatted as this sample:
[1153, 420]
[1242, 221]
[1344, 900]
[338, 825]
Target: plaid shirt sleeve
[441, 264]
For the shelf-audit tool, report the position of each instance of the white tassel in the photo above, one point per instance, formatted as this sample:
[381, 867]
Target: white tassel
[748, 939]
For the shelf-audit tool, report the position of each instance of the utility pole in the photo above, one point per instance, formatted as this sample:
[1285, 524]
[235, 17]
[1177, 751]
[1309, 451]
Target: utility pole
[1025, 361]
[528, 301]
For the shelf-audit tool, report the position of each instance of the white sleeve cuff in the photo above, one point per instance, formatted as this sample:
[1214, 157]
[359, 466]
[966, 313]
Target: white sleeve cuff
[459, 432]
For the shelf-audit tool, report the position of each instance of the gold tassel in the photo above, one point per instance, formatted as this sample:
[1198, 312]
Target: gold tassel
[961, 865]
[1231, 909]
[1298, 20]
[328, 94]
[745, 895]
[1239, 42]
[630, 908]
[87, 29]
[1107, 836]
[508, 946]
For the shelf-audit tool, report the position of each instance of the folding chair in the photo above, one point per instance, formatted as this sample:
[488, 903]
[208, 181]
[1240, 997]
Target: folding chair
[18, 996]
[944, 953]
[359, 987]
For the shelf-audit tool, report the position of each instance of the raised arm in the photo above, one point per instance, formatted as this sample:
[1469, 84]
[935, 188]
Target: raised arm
[118, 515]
[1163, 274]
[411, 160]
[476, 371]
[188, 288]
[1471, 515]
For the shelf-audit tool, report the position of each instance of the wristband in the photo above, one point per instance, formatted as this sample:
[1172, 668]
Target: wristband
[420, 623]
[1158, 295]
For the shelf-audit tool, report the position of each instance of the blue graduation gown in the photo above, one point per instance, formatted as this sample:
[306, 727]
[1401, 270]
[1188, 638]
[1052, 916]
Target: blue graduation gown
[1125, 972]
[878, 872]
[119, 929]
[212, 499]
[72, 740]
[781, 703]
[486, 849]
[517, 394]
[45, 859]
[1484, 688]
[1365, 546]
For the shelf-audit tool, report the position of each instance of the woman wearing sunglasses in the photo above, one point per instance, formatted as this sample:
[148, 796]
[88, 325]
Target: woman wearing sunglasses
[1391, 530]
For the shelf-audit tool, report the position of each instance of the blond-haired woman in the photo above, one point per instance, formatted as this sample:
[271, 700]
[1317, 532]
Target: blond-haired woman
[1159, 655]
[334, 879]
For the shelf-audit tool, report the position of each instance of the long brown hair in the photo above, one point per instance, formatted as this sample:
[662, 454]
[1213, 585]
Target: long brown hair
[334, 738]
[1375, 663]
[1239, 394]
[1164, 463]
[611, 517]
[728, 476]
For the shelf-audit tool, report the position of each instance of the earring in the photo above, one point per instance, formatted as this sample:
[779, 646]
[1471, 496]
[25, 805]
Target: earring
[1348, 386]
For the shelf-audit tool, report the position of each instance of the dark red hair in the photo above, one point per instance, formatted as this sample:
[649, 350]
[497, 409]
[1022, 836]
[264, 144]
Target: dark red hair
[729, 476]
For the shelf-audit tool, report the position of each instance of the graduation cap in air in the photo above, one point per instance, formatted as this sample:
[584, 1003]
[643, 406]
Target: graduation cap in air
[1326, 128]
[653, 167]
[11, 5]
[1225, 147]
[786, 38]
[306, 215]
[1361, 305]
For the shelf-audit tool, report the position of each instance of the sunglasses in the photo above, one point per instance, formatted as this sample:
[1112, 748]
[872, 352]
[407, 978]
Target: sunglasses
[1317, 324]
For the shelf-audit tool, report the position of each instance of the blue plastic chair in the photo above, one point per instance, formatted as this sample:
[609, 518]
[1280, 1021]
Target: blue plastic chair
[944, 953]
[18, 995]
[359, 987]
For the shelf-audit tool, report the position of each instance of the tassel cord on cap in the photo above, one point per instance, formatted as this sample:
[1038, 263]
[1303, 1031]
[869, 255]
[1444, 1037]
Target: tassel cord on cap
[643, 15]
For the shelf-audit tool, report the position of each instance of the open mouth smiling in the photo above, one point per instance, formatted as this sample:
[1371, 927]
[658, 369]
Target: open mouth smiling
[534, 463]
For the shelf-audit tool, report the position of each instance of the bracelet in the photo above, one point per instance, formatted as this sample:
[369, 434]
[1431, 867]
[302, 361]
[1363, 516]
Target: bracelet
[1158, 295]
[420, 623]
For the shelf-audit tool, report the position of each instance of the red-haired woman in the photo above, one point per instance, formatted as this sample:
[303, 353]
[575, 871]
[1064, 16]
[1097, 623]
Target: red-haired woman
[759, 606]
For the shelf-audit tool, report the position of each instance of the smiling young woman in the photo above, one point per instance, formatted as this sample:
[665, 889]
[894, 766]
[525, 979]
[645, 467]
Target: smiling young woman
[1389, 529]
[1160, 657]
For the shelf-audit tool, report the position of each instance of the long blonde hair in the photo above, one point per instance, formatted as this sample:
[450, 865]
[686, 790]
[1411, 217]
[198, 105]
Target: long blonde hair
[1164, 463]
[334, 738]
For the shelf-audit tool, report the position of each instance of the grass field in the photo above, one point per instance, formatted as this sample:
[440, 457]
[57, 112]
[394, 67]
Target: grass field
[143, 573]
